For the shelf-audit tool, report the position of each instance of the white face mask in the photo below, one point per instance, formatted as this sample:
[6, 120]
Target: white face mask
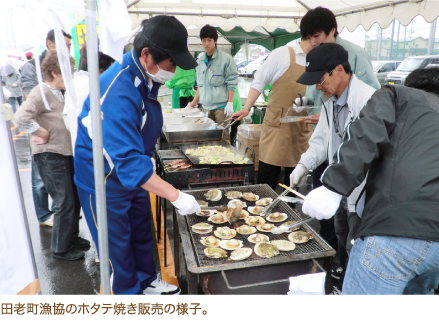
[161, 76]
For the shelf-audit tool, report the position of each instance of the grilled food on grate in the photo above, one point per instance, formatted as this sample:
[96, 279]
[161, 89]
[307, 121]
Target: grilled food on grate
[217, 219]
[215, 252]
[233, 213]
[284, 245]
[202, 203]
[205, 213]
[231, 244]
[254, 221]
[250, 197]
[265, 227]
[277, 217]
[300, 237]
[264, 249]
[256, 210]
[241, 254]
[246, 230]
[210, 241]
[264, 201]
[213, 195]
[216, 154]
[233, 194]
[202, 228]
[257, 238]
[225, 233]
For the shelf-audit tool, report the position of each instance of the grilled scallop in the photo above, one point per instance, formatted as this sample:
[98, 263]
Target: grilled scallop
[215, 253]
[265, 227]
[230, 244]
[244, 214]
[246, 230]
[300, 237]
[213, 195]
[291, 222]
[233, 194]
[250, 197]
[277, 217]
[241, 254]
[202, 228]
[225, 233]
[257, 238]
[254, 221]
[256, 210]
[210, 241]
[202, 203]
[217, 219]
[284, 245]
[264, 201]
[264, 249]
[205, 213]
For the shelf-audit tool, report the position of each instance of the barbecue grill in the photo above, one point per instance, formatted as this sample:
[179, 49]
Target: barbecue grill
[267, 275]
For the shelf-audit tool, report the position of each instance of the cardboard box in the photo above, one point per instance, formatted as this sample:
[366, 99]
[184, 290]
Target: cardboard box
[249, 136]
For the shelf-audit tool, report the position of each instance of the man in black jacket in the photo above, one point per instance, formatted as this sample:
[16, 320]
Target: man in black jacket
[396, 139]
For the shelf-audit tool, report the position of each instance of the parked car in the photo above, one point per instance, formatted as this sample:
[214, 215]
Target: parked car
[409, 64]
[252, 67]
[382, 68]
[242, 63]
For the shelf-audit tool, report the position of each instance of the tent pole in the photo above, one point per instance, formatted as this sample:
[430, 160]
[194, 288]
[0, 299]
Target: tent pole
[98, 158]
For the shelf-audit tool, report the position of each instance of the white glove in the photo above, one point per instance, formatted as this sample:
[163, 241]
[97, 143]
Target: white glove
[228, 111]
[188, 107]
[154, 167]
[321, 203]
[297, 106]
[186, 204]
[298, 176]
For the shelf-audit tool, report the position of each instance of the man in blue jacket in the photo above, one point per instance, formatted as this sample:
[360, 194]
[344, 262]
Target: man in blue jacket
[132, 120]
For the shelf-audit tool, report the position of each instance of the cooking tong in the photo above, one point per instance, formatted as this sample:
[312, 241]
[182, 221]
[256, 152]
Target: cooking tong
[225, 121]
[288, 228]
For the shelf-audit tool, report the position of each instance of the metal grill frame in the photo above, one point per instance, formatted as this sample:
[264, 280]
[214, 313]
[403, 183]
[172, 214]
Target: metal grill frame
[193, 249]
[170, 154]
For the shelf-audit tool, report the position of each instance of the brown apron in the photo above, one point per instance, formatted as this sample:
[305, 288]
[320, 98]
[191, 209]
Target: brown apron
[283, 144]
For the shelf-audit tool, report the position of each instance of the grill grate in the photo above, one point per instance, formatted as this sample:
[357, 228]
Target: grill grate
[171, 154]
[316, 245]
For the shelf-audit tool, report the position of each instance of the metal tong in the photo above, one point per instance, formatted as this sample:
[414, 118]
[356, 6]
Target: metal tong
[225, 121]
[288, 228]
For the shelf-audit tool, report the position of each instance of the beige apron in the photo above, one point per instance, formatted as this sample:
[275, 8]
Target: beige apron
[283, 144]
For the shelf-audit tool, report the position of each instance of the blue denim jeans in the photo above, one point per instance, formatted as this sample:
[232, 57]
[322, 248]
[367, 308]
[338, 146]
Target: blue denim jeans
[57, 173]
[15, 102]
[392, 265]
[41, 197]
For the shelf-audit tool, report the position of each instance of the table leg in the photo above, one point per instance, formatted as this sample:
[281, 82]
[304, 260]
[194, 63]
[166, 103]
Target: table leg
[192, 283]
[164, 230]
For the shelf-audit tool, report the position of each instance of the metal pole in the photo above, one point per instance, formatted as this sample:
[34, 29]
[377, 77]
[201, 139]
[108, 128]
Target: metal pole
[431, 37]
[391, 39]
[98, 158]
[379, 37]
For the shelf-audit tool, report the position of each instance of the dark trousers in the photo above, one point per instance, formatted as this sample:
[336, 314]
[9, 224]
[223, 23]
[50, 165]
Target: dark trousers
[57, 173]
[184, 101]
[40, 195]
[269, 174]
[130, 239]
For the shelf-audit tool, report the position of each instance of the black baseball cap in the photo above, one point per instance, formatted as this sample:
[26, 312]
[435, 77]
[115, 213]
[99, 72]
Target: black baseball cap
[169, 34]
[321, 59]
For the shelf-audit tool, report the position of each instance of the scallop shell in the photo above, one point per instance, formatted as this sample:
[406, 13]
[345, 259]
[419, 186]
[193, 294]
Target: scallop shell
[233, 194]
[262, 237]
[261, 229]
[202, 203]
[213, 239]
[205, 213]
[248, 220]
[213, 195]
[251, 230]
[289, 223]
[227, 246]
[284, 245]
[244, 204]
[231, 235]
[256, 210]
[202, 228]
[241, 254]
[217, 219]
[282, 217]
[250, 197]
[215, 252]
[264, 249]
[300, 237]
[244, 214]
[264, 201]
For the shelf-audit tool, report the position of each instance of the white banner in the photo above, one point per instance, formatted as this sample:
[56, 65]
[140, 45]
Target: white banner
[16, 259]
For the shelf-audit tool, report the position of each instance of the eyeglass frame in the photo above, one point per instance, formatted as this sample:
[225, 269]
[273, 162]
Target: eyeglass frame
[321, 83]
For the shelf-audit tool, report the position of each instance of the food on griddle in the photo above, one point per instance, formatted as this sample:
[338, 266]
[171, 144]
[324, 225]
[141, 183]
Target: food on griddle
[202, 203]
[225, 233]
[202, 228]
[265, 227]
[257, 238]
[241, 254]
[210, 241]
[264, 201]
[284, 245]
[205, 213]
[289, 223]
[300, 237]
[177, 164]
[244, 204]
[216, 154]
[277, 217]
[264, 249]
[233, 194]
[233, 213]
[246, 230]
[254, 221]
[215, 253]
[230, 244]
[256, 209]
[250, 197]
[213, 195]
[217, 219]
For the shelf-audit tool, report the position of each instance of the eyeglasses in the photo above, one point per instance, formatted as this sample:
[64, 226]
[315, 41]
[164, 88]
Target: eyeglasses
[321, 83]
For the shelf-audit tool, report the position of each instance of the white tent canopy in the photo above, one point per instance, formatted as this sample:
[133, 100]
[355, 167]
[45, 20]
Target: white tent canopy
[249, 14]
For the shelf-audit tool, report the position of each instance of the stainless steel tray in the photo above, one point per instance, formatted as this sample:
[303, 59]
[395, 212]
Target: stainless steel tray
[190, 133]
[178, 114]
[187, 120]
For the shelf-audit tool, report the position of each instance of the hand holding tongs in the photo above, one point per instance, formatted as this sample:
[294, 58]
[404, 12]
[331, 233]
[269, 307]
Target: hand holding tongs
[288, 228]
[225, 121]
